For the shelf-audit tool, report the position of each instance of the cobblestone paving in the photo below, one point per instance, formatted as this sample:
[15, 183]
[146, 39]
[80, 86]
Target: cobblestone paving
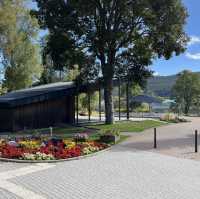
[7, 166]
[4, 194]
[118, 174]
[12, 189]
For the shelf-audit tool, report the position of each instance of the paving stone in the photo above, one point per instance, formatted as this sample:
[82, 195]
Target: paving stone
[8, 166]
[4, 194]
[118, 174]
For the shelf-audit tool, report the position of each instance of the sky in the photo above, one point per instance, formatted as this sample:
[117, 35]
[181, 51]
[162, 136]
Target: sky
[190, 60]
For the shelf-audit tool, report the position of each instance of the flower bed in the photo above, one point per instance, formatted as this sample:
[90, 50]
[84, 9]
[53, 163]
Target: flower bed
[48, 149]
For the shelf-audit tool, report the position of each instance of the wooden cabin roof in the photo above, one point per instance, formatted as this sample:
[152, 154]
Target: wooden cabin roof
[47, 92]
[37, 94]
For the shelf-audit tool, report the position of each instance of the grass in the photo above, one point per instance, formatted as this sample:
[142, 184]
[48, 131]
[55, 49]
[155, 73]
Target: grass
[128, 126]
[63, 132]
[68, 131]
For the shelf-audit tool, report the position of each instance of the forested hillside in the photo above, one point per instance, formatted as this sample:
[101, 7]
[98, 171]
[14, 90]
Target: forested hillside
[161, 85]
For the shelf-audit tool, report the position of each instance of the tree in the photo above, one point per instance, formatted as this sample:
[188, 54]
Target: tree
[18, 47]
[123, 36]
[186, 91]
[134, 89]
[49, 73]
[2, 90]
[71, 75]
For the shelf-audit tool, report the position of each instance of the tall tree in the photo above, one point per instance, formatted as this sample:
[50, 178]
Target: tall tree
[123, 36]
[134, 89]
[18, 46]
[186, 91]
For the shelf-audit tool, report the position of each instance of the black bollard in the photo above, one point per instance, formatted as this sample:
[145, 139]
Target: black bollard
[155, 139]
[196, 141]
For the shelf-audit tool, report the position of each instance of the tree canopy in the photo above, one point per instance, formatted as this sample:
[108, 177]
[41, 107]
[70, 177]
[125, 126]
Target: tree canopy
[18, 48]
[118, 37]
[186, 91]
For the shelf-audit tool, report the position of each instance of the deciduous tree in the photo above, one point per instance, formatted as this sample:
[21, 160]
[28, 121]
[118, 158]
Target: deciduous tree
[186, 91]
[123, 36]
[18, 46]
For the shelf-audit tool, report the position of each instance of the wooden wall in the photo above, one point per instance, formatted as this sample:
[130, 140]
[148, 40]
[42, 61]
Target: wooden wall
[6, 120]
[39, 115]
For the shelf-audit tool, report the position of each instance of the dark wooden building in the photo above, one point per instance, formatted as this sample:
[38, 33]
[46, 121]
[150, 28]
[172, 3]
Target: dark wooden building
[38, 107]
[49, 105]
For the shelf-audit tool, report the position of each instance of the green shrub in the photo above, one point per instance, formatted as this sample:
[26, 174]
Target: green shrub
[114, 132]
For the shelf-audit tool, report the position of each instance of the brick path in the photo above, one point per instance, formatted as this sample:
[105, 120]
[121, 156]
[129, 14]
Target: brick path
[122, 173]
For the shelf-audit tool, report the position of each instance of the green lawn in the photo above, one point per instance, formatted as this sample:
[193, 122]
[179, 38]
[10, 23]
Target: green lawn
[128, 126]
[69, 131]
[66, 131]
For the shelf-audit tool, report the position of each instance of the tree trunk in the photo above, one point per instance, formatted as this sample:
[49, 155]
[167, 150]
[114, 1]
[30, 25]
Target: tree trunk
[108, 98]
[186, 109]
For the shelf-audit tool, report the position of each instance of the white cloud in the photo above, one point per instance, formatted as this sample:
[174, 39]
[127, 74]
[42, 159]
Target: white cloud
[195, 56]
[155, 74]
[194, 40]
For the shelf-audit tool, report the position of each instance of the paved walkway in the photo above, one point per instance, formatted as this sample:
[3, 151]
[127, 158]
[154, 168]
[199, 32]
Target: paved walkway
[121, 173]
[173, 139]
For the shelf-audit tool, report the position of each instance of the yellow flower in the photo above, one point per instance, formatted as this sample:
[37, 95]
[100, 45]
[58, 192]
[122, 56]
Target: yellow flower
[69, 143]
[2, 141]
[30, 144]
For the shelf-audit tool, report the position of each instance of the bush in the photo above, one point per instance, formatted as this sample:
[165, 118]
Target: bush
[110, 136]
[114, 132]
[170, 117]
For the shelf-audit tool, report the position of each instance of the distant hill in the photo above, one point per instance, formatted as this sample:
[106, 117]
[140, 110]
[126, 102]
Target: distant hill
[161, 85]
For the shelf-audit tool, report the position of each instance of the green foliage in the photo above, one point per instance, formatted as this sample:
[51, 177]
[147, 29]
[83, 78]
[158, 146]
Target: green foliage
[134, 89]
[115, 132]
[129, 126]
[72, 74]
[186, 91]
[48, 76]
[62, 51]
[20, 53]
[144, 107]
[122, 36]
[83, 102]
[25, 67]
[2, 90]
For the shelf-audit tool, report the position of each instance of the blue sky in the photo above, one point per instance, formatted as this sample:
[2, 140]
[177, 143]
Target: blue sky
[191, 58]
